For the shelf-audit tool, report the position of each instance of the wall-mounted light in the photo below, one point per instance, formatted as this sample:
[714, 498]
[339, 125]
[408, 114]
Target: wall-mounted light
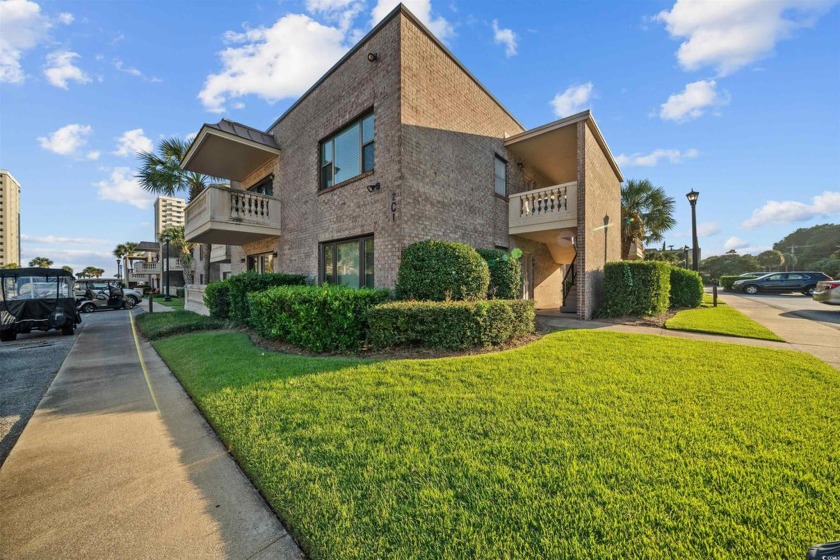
[274, 254]
[242, 260]
[520, 166]
[373, 188]
[373, 57]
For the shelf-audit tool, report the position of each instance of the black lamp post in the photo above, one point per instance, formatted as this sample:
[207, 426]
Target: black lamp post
[685, 256]
[167, 297]
[692, 199]
[119, 275]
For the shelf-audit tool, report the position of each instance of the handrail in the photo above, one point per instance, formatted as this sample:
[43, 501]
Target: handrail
[569, 279]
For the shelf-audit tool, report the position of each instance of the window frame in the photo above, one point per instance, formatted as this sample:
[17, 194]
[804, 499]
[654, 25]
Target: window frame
[363, 265]
[267, 180]
[330, 139]
[504, 161]
[258, 260]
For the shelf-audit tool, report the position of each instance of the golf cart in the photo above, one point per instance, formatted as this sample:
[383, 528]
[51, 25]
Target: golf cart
[36, 298]
[102, 294]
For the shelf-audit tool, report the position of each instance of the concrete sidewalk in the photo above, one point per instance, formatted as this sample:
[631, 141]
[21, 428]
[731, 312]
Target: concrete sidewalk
[806, 335]
[118, 463]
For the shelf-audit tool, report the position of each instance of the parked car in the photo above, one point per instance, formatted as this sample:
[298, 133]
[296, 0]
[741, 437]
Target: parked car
[781, 282]
[136, 296]
[753, 274]
[828, 291]
[102, 294]
[36, 298]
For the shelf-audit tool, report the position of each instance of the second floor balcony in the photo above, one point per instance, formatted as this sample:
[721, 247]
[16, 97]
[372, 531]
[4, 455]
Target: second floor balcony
[231, 217]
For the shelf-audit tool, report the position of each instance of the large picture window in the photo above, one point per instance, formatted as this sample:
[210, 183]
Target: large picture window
[348, 262]
[261, 263]
[348, 153]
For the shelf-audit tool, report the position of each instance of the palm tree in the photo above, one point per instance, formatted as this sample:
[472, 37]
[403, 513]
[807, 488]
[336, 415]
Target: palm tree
[161, 173]
[119, 252]
[67, 269]
[41, 262]
[130, 251]
[181, 248]
[646, 213]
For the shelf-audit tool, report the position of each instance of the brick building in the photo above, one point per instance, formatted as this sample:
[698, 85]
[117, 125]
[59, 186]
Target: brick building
[398, 143]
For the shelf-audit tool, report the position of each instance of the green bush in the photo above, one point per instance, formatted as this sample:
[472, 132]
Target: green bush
[318, 318]
[442, 270]
[505, 274]
[243, 284]
[451, 325]
[727, 281]
[636, 288]
[160, 325]
[686, 288]
[217, 299]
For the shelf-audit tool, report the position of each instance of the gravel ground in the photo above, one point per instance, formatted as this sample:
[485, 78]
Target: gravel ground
[27, 367]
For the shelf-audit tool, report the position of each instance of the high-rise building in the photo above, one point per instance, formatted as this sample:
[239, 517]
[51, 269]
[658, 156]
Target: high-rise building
[168, 212]
[9, 219]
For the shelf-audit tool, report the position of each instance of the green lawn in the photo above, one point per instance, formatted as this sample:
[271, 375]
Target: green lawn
[719, 320]
[177, 303]
[159, 325]
[585, 444]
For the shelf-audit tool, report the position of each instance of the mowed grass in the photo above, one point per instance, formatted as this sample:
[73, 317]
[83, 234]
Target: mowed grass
[722, 319]
[159, 325]
[582, 445]
[177, 303]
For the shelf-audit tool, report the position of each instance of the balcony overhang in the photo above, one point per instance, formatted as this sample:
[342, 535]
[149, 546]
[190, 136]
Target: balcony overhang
[229, 150]
[225, 216]
[552, 148]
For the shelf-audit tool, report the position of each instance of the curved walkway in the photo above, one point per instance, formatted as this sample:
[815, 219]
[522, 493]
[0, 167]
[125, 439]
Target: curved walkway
[118, 463]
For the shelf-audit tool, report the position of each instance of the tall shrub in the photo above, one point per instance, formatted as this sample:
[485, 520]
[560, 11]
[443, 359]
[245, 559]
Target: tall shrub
[636, 288]
[505, 274]
[686, 288]
[243, 284]
[217, 299]
[441, 270]
[318, 318]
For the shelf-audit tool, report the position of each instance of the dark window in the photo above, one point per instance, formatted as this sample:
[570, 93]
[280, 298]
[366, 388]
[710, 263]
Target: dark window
[348, 262]
[266, 186]
[261, 263]
[348, 153]
[501, 176]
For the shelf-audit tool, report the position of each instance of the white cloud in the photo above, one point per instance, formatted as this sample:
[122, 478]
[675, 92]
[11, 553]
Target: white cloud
[573, 100]
[708, 229]
[735, 242]
[93, 154]
[52, 239]
[22, 28]
[728, 35]
[66, 18]
[132, 71]
[506, 37]
[343, 12]
[66, 140]
[825, 205]
[442, 29]
[60, 69]
[124, 187]
[273, 62]
[133, 141]
[649, 160]
[693, 101]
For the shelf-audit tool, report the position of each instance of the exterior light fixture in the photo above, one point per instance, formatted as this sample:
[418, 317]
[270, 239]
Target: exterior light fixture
[373, 188]
[373, 57]
[692, 199]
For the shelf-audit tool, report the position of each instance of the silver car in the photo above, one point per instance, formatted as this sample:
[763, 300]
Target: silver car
[828, 291]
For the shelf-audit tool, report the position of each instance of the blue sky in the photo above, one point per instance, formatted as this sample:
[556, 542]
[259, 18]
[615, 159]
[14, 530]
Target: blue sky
[739, 100]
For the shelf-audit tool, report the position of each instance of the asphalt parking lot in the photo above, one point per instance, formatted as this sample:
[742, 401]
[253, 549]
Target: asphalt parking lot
[797, 305]
[27, 367]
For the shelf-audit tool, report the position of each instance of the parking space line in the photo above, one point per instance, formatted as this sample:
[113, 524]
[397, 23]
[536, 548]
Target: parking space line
[142, 361]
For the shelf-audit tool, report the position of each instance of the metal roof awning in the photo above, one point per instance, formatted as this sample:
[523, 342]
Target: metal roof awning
[229, 150]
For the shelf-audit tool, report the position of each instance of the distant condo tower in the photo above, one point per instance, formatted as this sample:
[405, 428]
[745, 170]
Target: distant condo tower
[10, 219]
[168, 212]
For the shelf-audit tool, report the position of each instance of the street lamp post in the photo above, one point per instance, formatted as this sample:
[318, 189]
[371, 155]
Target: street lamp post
[119, 275]
[685, 256]
[167, 297]
[692, 199]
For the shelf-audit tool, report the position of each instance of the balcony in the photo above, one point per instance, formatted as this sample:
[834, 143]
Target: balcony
[219, 253]
[231, 217]
[143, 269]
[545, 209]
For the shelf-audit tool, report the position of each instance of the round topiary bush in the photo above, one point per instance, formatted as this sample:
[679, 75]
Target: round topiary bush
[440, 271]
[505, 274]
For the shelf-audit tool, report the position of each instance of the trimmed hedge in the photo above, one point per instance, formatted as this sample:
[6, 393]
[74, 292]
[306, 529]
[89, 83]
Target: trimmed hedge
[241, 285]
[505, 274]
[636, 288]
[442, 270]
[686, 288]
[217, 299]
[160, 325]
[451, 325]
[318, 318]
[727, 281]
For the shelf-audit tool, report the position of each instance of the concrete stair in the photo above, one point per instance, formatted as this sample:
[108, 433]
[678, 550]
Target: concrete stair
[570, 303]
